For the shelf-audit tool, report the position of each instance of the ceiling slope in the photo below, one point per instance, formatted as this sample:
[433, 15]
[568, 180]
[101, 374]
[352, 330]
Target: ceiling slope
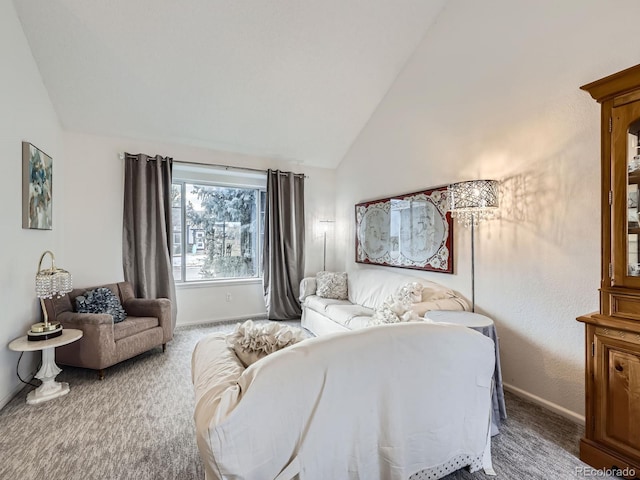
[290, 79]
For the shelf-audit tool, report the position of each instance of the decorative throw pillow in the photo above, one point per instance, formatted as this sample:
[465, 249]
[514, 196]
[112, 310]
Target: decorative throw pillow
[253, 341]
[397, 307]
[332, 285]
[411, 292]
[101, 300]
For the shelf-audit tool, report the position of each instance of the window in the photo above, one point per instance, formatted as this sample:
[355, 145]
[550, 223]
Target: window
[218, 223]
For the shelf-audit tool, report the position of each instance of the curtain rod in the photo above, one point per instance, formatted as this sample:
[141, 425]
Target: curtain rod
[226, 167]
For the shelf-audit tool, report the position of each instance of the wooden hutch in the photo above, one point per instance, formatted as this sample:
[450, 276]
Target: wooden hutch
[612, 429]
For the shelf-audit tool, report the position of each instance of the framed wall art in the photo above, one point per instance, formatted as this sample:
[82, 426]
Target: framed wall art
[408, 231]
[37, 169]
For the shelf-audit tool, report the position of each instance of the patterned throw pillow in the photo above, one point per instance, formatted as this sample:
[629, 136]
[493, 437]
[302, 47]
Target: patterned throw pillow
[332, 285]
[101, 300]
[253, 341]
[397, 307]
[411, 292]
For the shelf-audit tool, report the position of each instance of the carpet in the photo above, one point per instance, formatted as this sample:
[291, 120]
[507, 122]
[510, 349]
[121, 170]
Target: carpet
[137, 424]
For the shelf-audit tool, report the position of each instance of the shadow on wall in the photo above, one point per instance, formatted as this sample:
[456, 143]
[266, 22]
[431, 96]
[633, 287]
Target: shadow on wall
[551, 197]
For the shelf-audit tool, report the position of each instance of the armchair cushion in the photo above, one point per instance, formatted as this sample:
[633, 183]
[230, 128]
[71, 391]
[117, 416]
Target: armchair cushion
[133, 325]
[101, 300]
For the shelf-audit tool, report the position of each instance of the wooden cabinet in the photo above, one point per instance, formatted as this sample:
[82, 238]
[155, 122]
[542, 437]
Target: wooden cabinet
[612, 387]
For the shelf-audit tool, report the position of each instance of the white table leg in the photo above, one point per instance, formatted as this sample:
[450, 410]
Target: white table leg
[48, 372]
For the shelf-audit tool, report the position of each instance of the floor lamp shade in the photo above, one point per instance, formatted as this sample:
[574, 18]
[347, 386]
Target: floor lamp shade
[474, 200]
[471, 202]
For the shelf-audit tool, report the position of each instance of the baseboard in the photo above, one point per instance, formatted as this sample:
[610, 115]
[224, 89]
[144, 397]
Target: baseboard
[14, 392]
[554, 407]
[226, 320]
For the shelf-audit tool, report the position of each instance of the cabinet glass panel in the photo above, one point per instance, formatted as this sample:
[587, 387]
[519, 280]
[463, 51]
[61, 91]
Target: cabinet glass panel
[633, 225]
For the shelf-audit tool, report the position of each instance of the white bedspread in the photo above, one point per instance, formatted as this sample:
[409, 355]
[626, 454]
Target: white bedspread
[377, 403]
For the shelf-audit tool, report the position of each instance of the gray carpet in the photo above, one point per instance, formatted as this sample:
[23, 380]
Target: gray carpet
[137, 424]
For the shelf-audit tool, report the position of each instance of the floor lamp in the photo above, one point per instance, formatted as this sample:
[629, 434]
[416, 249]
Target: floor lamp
[472, 202]
[324, 226]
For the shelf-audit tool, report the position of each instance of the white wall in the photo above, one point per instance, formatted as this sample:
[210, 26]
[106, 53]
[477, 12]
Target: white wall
[26, 115]
[493, 92]
[93, 186]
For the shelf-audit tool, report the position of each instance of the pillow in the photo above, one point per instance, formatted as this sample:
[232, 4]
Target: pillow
[433, 291]
[432, 294]
[411, 292]
[101, 300]
[253, 341]
[397, 307]
[332, 285]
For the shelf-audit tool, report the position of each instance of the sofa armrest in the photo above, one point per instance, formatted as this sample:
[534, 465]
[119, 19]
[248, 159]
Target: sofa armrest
[215, 371]
[307, 287]
[159, 308]
[82, 320]
[96, 348]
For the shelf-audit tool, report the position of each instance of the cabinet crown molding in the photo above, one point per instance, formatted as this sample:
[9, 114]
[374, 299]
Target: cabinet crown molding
[613, 85]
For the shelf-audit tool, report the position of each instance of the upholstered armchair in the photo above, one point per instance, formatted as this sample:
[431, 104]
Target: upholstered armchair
[105, 343]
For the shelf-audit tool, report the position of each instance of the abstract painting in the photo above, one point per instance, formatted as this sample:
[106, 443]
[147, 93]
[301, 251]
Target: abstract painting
[37, 169]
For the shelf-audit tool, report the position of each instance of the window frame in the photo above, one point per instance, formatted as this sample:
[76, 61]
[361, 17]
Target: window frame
[182, 181]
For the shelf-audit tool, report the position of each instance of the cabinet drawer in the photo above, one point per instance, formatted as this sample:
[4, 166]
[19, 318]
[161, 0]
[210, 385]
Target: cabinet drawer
[625, 306]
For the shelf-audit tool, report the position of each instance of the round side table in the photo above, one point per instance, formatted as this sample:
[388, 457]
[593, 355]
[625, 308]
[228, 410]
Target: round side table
[466, 319]
[484, 325]
[49, 389]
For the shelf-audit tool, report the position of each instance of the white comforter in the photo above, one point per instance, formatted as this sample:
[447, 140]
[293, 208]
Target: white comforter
[378, 403]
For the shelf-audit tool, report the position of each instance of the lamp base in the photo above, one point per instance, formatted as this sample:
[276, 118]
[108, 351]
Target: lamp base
[44, 331]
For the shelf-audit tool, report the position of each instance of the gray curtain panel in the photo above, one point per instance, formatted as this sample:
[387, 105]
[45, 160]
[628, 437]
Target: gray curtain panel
[283, 252]
[147, 240]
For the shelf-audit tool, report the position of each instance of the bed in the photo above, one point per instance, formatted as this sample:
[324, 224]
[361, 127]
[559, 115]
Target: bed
[391, 402]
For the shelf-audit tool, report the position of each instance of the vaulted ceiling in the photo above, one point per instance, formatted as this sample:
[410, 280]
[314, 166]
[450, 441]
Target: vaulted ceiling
[291, 79]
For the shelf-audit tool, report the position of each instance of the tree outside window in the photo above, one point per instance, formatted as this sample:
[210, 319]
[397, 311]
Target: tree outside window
[221, 237]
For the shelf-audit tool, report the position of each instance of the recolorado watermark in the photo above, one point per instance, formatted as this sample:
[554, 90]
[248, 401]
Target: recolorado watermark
[608, 472]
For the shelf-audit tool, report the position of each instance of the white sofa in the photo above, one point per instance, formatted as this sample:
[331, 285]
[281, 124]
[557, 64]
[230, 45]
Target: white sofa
[379, 403]
[368, 289]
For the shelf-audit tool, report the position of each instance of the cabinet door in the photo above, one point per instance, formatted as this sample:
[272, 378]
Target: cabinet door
[617, 384]
[626, 179]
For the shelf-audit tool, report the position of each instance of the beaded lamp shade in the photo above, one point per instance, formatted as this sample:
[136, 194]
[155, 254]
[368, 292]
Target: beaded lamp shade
[53, 281]
[50, 282]
[471, 202]
[474, 200]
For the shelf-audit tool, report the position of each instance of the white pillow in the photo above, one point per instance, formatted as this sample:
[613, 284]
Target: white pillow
[411, 292]
[332, 285]
[253, 341]
[397, 307]
[391, 311]
[431, 293]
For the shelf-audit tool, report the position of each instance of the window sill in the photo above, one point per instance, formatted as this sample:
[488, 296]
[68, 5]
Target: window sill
[218, 283]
